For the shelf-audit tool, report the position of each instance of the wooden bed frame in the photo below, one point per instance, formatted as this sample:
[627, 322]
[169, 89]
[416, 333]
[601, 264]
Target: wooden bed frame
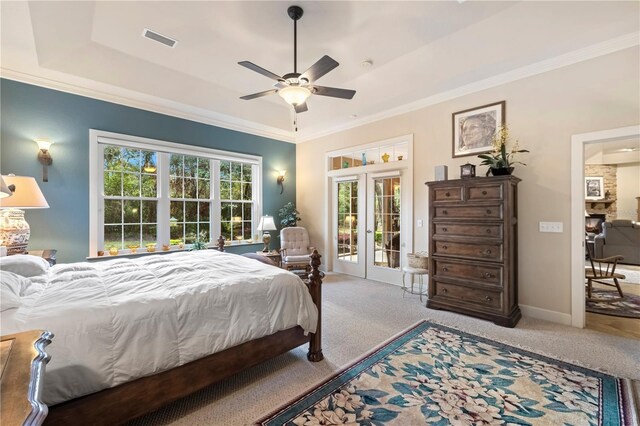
[130, 400]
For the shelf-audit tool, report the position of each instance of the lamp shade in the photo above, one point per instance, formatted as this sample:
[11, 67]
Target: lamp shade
[27, 194]
[4, 189]
[267, 224]
[294, 95]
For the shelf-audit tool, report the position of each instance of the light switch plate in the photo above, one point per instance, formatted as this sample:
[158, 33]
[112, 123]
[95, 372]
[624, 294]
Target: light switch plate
[551, 227]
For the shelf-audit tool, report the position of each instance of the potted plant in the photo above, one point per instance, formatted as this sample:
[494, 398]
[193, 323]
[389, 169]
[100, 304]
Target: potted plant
[289, 215]
[501, 159]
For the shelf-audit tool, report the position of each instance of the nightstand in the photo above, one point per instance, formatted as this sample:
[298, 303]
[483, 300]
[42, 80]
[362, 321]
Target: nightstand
[273, 255]
[48, 255]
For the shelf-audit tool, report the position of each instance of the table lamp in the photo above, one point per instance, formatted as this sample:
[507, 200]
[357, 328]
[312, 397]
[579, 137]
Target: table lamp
[266, 224]
[14, 230]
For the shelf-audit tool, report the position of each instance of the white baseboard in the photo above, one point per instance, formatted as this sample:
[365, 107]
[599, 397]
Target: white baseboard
[545, 314]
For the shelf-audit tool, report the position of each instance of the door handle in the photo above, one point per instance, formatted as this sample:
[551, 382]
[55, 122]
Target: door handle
[369, 231]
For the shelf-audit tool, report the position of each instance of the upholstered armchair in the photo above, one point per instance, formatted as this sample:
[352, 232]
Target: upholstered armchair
[295, 249]
[619, 237]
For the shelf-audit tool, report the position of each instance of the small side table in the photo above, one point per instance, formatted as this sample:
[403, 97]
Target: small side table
[48, 255]
[414, 271]
[273, 255]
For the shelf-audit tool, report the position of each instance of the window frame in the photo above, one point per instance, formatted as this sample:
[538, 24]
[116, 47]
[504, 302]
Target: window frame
[99, 138]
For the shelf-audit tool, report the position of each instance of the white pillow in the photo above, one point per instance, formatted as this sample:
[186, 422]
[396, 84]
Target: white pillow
[24, 264]
[10, 287]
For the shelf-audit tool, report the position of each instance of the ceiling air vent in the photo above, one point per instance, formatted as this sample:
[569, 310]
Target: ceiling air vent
[152, 35]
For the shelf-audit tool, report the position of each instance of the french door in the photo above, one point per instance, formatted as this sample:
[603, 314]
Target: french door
[369, 232]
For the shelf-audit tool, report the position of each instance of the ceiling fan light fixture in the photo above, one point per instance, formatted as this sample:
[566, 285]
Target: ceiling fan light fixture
[294, 95]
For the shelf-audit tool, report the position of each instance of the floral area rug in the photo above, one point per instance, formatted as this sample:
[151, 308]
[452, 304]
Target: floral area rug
[608, 302]
[435, 375]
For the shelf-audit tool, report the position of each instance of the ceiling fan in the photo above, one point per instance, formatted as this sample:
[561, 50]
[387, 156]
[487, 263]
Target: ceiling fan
[295, 88]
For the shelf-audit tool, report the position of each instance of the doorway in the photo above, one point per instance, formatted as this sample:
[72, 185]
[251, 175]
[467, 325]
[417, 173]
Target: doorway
[371, 213]
[578, 217]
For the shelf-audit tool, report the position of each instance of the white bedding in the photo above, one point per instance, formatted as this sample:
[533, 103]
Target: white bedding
[121, 319]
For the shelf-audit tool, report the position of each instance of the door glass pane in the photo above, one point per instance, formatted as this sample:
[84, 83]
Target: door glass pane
[347, 226]
[386, 206]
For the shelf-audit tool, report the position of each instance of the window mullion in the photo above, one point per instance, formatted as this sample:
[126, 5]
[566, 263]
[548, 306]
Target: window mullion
[164, 214]
[215, 206]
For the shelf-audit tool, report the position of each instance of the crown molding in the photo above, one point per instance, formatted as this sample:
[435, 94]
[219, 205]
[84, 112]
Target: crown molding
[200, 115]
[154, 104]
[580, 55]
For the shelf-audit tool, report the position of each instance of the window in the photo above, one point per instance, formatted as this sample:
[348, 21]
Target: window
[236, 195]
[153, 192]
[190, 198]
[130, 198]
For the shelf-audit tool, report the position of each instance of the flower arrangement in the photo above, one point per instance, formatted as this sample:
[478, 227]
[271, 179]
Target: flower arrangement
[501, 159]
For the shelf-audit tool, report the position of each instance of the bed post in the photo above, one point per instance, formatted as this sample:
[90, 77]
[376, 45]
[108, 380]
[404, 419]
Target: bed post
[315, 288]
[220, 246]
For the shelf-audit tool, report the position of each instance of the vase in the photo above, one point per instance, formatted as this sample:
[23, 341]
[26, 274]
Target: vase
[501, 171]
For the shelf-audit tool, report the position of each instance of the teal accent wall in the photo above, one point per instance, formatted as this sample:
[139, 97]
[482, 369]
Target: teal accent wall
[28, 112]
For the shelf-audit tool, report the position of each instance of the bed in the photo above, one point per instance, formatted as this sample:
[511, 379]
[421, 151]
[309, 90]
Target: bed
[133, 335]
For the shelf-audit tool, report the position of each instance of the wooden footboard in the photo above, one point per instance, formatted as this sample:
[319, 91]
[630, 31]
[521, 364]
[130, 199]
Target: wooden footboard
[130, 400]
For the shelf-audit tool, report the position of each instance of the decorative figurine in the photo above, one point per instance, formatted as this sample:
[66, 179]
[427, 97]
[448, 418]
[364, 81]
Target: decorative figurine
[385, 157]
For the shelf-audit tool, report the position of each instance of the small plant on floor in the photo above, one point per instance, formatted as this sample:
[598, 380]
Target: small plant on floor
[289, 215]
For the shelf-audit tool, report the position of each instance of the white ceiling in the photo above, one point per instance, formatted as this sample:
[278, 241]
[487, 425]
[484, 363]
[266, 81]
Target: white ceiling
[421, 51]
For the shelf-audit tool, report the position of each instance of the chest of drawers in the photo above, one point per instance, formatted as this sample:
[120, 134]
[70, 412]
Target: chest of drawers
[473, 243]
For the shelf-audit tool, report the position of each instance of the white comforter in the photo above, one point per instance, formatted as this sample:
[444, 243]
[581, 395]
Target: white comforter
[117, 320]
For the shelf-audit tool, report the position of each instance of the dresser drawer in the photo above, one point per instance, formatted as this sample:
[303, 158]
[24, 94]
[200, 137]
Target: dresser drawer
[453, 193]
[468, 212]
[487, 251]
[481, 273]
[485, 192]
[475, 296]
[489, 230]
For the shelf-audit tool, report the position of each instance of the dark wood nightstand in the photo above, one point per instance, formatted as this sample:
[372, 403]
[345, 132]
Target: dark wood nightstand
[22, 363]
[48, 255]
[273, 255]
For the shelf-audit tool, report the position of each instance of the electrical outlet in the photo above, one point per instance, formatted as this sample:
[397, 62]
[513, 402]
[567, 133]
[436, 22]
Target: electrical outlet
[419, 223]
[551, 227]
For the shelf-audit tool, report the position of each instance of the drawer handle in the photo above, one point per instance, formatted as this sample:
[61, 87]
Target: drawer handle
[447, 194]
[444, 247]
[484, 192]
[444, 229]
[445, 212]
[488, 230]
[488, 211]
[488, 298]
[444, 290]
[487, 275]
[445, 269]
[487, 252]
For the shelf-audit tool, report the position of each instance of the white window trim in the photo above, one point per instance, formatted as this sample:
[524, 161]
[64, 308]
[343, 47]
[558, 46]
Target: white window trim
[98, 138]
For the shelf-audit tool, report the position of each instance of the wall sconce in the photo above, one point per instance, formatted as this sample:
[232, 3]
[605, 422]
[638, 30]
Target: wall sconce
[281, 180]
[44, 157]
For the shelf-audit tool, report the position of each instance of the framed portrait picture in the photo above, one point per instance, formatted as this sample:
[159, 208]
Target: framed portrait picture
[593, 188]
[474, 129]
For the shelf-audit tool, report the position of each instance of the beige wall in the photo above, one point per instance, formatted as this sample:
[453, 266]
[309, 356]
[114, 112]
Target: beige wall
[543, 112]
[628, 190]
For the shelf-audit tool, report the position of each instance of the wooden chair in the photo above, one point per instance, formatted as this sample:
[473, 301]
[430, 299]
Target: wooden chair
[603, 271]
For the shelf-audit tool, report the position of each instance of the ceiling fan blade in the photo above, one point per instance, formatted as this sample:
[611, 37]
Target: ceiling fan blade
[320, 68]
[258, 95]
[301, 107]
[333, 92]
[260, 70]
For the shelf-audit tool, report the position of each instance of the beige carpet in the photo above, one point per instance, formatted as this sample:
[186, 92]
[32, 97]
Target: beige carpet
[358, 315]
